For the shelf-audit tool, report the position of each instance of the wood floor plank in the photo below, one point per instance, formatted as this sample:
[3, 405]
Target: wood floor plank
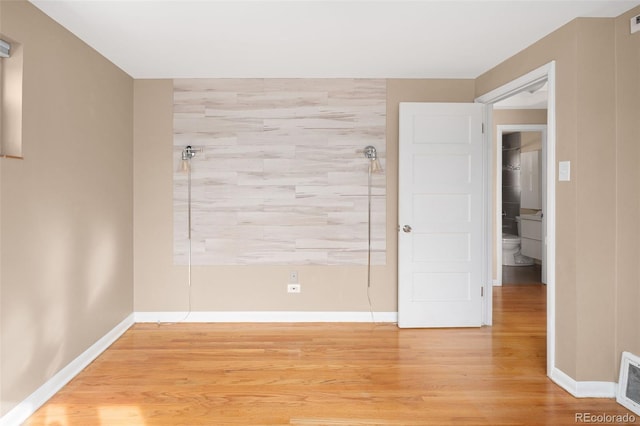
[326, 374]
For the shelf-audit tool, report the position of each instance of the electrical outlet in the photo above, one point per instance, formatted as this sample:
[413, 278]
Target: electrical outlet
[293, 288]
[293, 277]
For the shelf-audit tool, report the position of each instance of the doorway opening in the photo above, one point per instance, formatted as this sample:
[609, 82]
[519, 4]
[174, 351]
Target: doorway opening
[520, 197]
[527, 82]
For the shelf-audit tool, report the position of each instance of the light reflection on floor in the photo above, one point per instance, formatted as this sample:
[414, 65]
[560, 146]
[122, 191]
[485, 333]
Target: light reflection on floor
[110, 415]
[58, 415]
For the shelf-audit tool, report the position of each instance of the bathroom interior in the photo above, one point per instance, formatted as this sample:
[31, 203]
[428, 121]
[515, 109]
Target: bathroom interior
[522, 208]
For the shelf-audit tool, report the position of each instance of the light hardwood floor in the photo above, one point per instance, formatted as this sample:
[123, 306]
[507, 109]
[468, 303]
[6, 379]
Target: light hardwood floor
[327, 374]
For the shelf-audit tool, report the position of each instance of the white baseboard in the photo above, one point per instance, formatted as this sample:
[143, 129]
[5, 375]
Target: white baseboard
[26, 408]
[266, 316]
[584, 389]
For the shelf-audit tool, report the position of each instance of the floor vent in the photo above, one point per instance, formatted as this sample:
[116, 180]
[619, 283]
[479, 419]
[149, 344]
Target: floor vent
[629, 383]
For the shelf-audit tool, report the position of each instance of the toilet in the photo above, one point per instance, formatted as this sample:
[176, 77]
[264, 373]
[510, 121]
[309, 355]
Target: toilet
[511, 250]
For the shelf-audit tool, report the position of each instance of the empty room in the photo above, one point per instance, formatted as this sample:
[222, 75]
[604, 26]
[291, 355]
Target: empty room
[319, 212]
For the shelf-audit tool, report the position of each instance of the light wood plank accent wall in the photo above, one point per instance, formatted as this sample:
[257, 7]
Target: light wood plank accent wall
[281, 178]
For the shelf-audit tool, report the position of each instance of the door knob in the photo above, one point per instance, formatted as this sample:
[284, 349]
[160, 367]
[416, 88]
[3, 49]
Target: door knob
[406, 228]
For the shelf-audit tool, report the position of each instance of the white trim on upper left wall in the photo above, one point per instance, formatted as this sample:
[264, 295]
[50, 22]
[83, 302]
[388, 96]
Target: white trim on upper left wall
[27, 407]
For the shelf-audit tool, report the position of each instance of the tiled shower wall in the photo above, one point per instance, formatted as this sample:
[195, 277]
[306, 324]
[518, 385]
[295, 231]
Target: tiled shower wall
[281, 178]
[510, 182]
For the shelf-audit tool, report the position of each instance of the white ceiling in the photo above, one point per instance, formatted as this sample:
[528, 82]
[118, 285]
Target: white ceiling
[299, 38]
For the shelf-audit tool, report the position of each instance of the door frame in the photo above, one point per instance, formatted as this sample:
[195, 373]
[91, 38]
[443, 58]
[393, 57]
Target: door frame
[547, 73]
[500, 130]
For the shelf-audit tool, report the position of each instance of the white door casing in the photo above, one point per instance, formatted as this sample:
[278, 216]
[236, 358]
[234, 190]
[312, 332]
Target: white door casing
[441, 212]
[545, 72]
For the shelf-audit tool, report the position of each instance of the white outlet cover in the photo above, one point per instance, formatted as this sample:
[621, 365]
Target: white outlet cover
[293, 288]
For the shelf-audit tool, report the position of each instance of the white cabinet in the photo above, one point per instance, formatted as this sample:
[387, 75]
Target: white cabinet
[531, 236]
[530, 180]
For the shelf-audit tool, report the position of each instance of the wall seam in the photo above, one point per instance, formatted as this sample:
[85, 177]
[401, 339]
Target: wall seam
[616, 275]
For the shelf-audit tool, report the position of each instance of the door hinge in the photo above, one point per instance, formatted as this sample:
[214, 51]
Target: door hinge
[482, 128]
[481, 291]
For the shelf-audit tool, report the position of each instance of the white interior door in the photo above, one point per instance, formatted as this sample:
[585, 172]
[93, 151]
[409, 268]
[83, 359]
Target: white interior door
[441, 215]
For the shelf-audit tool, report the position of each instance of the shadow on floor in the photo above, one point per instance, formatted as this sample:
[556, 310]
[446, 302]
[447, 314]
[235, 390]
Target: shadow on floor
[521, 274]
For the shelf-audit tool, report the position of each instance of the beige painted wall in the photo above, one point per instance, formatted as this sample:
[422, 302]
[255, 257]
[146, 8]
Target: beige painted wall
[66, 258]
[587, 265]
[627, 207]
[162, 286]
[531, 141]
[503, 117]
